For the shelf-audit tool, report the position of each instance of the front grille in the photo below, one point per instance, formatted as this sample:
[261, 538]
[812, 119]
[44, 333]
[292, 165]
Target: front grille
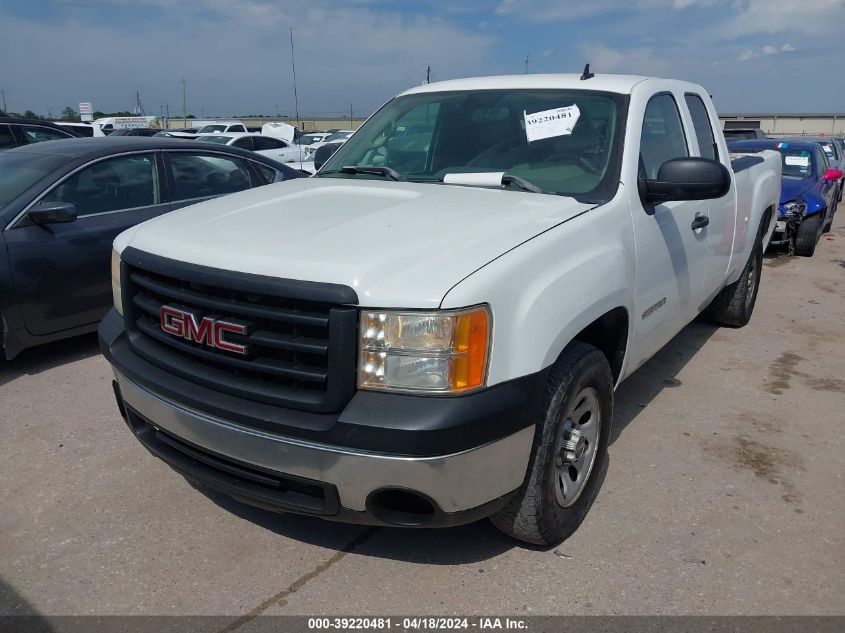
[301, 351]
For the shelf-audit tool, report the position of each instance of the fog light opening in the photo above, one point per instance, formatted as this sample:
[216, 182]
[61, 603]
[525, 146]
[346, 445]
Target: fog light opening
[401, 507]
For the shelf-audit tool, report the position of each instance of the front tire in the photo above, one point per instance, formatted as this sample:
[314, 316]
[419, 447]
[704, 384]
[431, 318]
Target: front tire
[569, 457]
[808, 234]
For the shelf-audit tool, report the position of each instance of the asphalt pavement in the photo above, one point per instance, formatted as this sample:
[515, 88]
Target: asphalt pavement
[724, 496]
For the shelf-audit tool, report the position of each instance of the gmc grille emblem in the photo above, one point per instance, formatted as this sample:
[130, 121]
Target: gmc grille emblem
[207, 330]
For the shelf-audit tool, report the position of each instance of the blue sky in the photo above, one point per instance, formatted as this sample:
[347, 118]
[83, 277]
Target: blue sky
[752, 55]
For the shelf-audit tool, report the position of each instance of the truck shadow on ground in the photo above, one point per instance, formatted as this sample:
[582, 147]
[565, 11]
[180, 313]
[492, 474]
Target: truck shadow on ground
[658, 373]
[25, 615]
[480, 541]
[36, 360]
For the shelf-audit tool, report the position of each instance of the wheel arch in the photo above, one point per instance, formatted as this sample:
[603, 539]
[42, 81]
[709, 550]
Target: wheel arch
[609, 334]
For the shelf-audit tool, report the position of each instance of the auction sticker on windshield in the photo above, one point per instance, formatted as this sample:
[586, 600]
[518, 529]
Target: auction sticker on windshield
[797, 161]
[549, 123]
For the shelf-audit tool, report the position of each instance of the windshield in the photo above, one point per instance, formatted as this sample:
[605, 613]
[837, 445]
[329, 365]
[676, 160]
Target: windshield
[19, 171]
[215, 139]
[797, 163]
[337, 136]
[212, 128]
[572, 145]
[308, 139]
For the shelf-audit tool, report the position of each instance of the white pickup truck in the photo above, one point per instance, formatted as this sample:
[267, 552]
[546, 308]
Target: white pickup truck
[430, 330]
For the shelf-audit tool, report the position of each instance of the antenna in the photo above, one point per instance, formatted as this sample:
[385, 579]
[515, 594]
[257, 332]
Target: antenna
[586, 74]
[526, 62]
[428, 74]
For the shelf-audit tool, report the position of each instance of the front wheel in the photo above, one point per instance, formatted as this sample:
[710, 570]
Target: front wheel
[808, 234]
[569, 457]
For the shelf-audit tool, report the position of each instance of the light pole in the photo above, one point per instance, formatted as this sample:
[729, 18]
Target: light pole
[293, 67]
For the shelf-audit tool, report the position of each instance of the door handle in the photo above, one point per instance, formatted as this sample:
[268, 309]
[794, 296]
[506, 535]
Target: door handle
[700, 222]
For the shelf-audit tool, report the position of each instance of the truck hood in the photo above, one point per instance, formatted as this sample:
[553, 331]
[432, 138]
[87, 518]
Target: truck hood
[793, 187]
[396, 244]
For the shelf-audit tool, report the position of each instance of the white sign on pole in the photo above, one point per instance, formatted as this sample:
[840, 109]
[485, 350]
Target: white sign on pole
[86, 111]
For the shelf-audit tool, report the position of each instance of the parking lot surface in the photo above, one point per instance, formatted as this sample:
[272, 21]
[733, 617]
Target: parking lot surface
[724, 495]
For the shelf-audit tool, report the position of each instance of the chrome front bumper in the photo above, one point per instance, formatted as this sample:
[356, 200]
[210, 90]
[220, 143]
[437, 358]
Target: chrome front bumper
[456, 482]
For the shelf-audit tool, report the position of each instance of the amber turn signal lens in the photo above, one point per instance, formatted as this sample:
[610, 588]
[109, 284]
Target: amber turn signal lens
[470, 348]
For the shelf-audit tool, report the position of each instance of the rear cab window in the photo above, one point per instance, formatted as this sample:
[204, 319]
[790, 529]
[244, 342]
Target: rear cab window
[702, 125]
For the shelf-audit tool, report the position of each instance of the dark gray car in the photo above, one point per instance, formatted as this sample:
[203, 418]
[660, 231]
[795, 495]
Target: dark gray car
[62, 203]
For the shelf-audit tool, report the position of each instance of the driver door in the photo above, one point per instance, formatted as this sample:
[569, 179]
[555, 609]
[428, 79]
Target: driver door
[671, 253]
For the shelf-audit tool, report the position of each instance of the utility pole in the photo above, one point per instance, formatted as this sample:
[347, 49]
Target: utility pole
[350, 115]
[184, 104]
[428, 74]
[139, 107]
[3, 92]
[293, 67]
[526, 62]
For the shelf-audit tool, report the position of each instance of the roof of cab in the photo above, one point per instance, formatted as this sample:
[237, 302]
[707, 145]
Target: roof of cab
[622, 84]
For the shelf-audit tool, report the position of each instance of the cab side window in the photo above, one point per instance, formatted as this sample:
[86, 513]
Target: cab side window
[200, 175]
[703, 129]
[245, 142]
[268, 142]
[663, 134]
[7, 139]
[114, 184]
[38, 133]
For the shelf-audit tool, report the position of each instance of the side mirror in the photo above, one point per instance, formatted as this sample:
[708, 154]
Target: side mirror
[833, 174]
[324, 153]
[52, 213]
[689, 178]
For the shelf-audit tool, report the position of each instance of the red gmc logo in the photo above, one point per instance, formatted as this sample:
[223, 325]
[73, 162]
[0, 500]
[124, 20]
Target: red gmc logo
[207, 331]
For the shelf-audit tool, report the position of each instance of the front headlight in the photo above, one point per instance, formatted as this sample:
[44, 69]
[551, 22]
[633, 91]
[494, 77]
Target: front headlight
[115, 282]
[426, 352]
[794, 209]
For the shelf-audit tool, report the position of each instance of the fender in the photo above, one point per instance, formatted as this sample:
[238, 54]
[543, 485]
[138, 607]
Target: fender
[763, 187]
[544, 292]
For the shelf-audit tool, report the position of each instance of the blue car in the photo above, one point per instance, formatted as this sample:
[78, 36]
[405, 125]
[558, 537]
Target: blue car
[809, 192]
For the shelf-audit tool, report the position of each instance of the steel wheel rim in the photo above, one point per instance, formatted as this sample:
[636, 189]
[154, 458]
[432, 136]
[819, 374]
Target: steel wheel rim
[582, 421]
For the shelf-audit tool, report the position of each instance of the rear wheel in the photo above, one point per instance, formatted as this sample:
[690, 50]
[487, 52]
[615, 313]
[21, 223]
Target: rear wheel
[734, 305]
[569, 458]
[808, 234]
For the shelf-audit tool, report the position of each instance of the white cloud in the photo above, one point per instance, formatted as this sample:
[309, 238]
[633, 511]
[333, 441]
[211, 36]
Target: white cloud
[560, 10]
[236, 57]
[812, 17]
[766, 51]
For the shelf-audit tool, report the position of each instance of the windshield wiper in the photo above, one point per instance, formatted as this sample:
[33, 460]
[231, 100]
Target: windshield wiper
[378, 170]
[510, 179]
